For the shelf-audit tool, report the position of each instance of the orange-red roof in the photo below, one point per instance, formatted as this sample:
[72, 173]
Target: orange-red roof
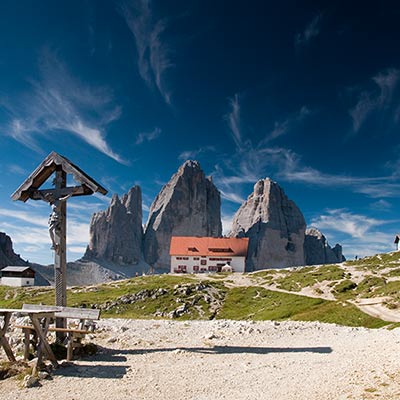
[208, 246]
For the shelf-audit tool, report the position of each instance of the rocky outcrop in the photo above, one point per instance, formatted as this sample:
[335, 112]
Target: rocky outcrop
[188, 205]
[318, 251]
[116, 234]
[274, 225]
[7, 255]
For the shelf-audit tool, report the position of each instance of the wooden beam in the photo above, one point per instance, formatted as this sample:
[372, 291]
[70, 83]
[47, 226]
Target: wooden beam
[75, 191]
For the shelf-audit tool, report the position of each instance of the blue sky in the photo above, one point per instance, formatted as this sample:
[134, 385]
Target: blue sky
[307, 93]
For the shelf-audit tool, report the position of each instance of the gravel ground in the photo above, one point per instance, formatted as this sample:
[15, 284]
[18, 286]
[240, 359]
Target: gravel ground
[208, 360]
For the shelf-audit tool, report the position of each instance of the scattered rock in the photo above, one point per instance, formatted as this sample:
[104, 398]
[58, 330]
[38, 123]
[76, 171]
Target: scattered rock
[30, 381]
[44, 375]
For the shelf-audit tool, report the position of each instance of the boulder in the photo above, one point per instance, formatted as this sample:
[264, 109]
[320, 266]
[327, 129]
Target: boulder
[188, 205]
[116, 234]
[274, 225]
[318, 251]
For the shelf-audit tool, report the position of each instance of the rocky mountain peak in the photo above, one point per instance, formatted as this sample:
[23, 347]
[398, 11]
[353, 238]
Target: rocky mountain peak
[116, 233]
[189, 165]
[7, 255]
[188, 205]
[275, 226]
[318, 251]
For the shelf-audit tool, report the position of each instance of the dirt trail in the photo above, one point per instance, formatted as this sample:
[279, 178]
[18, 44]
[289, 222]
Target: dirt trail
[373, 307]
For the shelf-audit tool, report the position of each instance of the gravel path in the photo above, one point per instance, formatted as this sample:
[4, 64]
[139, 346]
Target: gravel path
[209, 360]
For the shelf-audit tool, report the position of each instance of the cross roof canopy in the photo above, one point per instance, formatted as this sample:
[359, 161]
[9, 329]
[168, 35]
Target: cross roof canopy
[50, 164]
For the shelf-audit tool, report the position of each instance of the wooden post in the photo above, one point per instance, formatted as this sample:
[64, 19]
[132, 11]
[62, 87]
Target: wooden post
[60, 256]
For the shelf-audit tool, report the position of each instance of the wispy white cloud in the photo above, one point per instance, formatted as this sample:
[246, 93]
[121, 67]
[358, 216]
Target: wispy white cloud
[311, 31]
[148, 136]
[232, 196]
[252, 162]
[292, 170]
[359, 234]
[15, 169]
[80, 250]
[29, 233]
[371, 244]
[226, 220]
[194, 154]
[59, 102]
[344, 221]
[233, 120]
[283, 127]
[387, 82]
[379, 98]
[25, 216]
[153, 53]
[381, 205]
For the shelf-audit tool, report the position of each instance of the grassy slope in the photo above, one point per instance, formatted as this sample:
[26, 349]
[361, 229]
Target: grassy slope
[261, 304]
[238, 303]
[380, 276]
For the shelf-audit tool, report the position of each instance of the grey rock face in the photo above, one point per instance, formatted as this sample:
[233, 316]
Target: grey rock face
[318, 251]
[274, 225]
[188, 205]
[116, 234]
[7, 255]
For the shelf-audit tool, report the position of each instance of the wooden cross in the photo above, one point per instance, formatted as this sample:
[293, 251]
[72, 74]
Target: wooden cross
[57, 197]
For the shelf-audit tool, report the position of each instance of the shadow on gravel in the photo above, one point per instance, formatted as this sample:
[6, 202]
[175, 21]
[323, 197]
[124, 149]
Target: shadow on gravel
[92, 370]
[222, 350]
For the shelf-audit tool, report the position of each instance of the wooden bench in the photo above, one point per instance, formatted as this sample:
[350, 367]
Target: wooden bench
[74, 335]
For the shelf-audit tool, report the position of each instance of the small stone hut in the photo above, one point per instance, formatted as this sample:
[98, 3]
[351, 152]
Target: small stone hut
[17, 276]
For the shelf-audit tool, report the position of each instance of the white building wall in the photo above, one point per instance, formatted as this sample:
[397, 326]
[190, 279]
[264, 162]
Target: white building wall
[19, 282]
[202, 264]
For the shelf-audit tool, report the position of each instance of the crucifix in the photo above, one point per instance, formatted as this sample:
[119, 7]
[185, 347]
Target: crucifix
[57, 198]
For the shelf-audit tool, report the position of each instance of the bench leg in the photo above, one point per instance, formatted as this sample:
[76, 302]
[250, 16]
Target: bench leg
[70, 346]
[3, 339]
[27, 342]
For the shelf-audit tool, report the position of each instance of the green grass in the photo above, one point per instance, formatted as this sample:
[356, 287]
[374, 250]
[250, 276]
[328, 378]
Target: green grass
[394, 272]
[344, 289]
[88, 296]
[97, 296]
[376, 262]
[371, 286]
[197, 306]
[300, 278]
[391, 289]
[254, 303]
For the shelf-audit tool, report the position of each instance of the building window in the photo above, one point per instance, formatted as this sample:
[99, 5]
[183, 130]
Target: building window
[196, 258]
[203, 262]
[195, 268]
